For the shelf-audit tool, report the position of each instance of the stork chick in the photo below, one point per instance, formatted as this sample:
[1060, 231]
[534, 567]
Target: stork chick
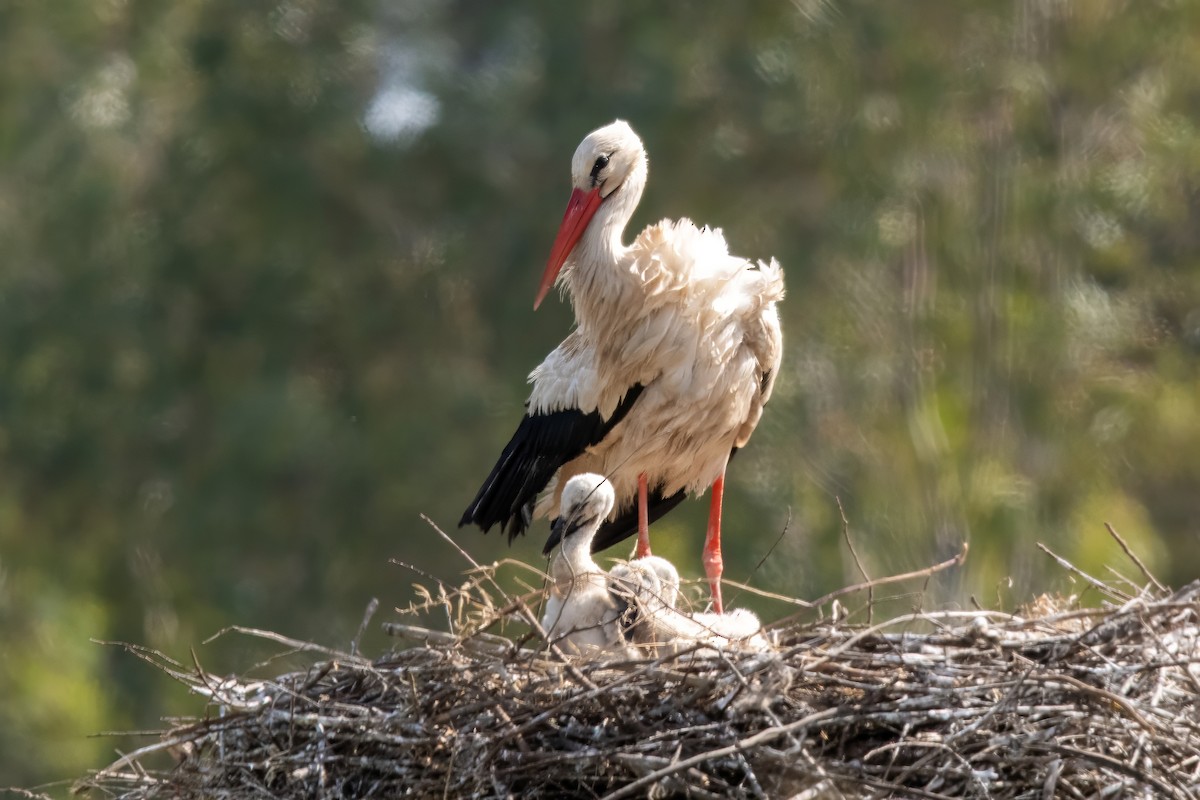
[645, 587]
[581, 614]
[648, 588]
[649, 572]
[669, 630]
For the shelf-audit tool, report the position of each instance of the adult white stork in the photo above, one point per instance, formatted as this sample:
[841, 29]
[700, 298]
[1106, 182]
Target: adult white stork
[675, 351]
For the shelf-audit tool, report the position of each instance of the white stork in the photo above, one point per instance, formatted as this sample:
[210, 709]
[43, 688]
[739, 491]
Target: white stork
[581, 615]
[655, 574]
[648, 587]
[675, 351]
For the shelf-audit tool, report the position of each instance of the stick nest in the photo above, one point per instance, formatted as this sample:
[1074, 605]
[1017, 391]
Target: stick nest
[1061, 701]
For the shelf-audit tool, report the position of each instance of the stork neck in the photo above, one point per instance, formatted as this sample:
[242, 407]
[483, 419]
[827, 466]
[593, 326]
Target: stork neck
[601, 245]
[595, 275]
[576, 559]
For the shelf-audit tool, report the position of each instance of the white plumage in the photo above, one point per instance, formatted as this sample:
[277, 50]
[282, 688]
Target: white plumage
[653, 575]
[593, 613]
[581, 615]
[700, 339]
[675, 350]
[649, 586]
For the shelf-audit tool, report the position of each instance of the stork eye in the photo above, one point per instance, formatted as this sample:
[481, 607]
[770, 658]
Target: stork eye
[600, 164]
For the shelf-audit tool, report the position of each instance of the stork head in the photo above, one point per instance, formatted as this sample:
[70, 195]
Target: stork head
[587, 500]
[607, 159]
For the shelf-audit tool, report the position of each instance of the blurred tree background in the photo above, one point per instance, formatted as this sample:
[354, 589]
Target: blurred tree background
[267, 274]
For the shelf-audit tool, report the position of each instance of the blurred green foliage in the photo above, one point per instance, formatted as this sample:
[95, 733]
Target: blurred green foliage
[267, 273]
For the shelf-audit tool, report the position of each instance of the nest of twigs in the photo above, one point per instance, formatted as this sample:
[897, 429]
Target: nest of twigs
[1061, 701]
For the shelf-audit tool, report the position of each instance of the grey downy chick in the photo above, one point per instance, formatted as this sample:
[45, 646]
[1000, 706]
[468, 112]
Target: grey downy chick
[649, 587]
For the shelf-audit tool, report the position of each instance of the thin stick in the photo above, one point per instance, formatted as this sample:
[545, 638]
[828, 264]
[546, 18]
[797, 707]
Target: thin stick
[128, 759]
[1096, 691]
[296, 644]
[453, 543]
[490, 578]
[1096, 582]
[412, 568]
[1133, 557]
[858, 587]
[372, 607]
[783, 598]
[743, 587]
[481, 642]
[154, 658]
[857, 560]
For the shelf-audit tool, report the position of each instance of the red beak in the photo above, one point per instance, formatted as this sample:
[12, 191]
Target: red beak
[580, 209]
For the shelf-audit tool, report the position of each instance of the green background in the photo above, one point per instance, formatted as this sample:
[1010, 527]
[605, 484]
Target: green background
[266, 275]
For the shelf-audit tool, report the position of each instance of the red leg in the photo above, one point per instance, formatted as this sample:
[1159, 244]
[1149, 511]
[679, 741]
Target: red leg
[643, 501]
[713, 565]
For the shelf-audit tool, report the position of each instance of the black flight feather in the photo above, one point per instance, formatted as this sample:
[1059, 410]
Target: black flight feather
[542, 444]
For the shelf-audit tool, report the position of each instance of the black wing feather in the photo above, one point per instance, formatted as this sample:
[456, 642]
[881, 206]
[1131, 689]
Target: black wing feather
[542, 444]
